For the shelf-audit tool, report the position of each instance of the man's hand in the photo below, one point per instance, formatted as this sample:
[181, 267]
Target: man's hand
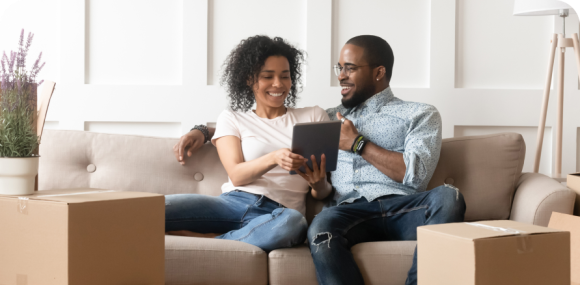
[348, 133]
[189, 142]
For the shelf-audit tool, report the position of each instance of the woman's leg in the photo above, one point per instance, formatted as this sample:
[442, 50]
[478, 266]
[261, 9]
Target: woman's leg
[203, 214]
[281, 228]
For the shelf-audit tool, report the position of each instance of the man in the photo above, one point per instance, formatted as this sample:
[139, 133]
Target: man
[389, 151]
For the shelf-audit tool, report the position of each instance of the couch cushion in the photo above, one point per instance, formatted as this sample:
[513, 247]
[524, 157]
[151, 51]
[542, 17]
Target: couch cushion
[190, 261]
[77, 159]
[379, 262]
[486, 169]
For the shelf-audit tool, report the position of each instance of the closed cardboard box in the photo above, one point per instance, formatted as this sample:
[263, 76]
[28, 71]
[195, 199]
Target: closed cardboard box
[573, 182]
[82, 236]
[572, 224]
[492, 253]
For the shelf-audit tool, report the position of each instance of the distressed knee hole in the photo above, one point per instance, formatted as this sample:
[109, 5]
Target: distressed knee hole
[320, 239]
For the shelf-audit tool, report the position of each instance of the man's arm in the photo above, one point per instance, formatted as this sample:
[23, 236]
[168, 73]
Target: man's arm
[388, 162]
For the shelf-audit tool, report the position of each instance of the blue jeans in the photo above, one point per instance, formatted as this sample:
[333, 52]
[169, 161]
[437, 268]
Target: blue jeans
[242, 216]
[389, 218]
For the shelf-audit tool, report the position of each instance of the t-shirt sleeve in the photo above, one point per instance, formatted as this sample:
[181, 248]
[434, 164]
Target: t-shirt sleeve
[320, 115]
[226, 125]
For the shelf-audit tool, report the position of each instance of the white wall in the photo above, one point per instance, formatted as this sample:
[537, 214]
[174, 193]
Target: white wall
[152, 67]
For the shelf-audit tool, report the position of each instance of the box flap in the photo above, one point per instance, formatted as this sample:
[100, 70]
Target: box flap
[81, 195]
[487, 229]
[572, 224]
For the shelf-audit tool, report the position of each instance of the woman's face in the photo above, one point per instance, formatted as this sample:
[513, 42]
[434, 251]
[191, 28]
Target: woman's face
[273, 84]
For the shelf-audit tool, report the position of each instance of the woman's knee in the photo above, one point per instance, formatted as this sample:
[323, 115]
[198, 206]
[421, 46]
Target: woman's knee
[291, 219]
[290, 227]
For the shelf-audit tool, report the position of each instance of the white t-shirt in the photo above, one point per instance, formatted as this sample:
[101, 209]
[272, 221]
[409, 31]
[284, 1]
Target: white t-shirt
[260, 136]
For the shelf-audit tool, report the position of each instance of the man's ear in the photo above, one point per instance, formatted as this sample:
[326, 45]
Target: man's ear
[380, 73]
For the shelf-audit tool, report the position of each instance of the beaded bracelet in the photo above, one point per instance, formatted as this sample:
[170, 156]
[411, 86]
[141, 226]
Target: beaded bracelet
[359, 144]
[203, 130]
[355, 142]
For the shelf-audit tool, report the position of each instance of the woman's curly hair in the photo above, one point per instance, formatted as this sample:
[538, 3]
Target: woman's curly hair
[245, 62]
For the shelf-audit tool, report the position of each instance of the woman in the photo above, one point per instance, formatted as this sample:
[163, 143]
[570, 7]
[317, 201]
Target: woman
[262, 204]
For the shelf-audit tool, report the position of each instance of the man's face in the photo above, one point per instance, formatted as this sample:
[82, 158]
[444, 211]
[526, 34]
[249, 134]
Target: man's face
[356, 78]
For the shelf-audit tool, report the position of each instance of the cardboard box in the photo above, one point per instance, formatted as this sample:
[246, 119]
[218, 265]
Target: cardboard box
[573, 182]
[492, 253]
[82, 236]
[572, 224]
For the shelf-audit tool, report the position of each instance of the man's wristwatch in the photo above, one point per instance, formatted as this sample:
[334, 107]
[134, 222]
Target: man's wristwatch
[203, 130]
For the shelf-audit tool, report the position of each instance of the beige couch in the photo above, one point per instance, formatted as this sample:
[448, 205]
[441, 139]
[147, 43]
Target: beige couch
[486, 169]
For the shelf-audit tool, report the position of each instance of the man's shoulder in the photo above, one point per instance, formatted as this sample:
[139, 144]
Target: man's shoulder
[332, 112]
[411, 109]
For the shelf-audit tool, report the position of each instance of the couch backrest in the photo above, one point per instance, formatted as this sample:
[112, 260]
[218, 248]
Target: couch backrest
[125, 162]
[484, 168]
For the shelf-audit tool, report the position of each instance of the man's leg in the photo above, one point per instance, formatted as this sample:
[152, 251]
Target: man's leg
[403, 214]
[334, 231]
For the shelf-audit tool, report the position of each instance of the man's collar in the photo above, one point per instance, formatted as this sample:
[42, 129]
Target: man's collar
[376, 101]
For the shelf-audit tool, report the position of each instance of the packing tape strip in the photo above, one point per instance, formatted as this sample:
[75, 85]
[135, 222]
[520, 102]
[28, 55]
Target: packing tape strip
[22, 206]
[75, 193]
[523, 239]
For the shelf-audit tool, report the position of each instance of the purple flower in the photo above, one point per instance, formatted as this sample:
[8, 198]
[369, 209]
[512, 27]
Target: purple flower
[3, 61]
[35, 68]
[11, 62]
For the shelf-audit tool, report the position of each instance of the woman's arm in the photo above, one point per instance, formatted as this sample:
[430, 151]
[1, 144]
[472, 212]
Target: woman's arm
[241, 172]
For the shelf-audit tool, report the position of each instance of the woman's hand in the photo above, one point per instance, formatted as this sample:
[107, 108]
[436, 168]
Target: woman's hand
[288, 160]
[188, 143]
[317, 177]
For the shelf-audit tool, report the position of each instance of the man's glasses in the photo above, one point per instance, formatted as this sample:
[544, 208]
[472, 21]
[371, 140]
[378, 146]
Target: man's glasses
[347, 69]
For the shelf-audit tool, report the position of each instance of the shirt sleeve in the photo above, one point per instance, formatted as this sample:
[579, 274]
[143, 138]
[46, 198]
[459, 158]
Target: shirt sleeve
[226, 125]
[422, 148]
[320, 115]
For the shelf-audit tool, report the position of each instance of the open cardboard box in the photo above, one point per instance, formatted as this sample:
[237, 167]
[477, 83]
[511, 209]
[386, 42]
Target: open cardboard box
[572, 224]
[492, 253]
[82, 236]
[573, 182]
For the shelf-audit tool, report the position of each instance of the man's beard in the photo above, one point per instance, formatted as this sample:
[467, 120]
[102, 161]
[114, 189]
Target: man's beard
[359, 96]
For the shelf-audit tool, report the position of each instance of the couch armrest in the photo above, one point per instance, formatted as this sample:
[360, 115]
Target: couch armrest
[537, 196]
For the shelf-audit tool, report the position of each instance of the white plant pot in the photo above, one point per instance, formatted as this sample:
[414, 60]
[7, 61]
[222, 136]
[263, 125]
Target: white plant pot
[17, 175]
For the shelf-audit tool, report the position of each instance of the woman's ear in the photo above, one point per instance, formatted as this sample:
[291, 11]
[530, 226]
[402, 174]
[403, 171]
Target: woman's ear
[252, 81]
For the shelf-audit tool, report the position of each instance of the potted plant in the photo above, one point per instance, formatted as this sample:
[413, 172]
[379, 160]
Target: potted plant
[18, 136]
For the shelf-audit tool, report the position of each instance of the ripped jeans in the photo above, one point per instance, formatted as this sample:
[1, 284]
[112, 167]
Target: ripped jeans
[389, 218]
[241, 216]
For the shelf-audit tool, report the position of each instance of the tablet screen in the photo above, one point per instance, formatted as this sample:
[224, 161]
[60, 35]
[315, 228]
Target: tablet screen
[317, 138]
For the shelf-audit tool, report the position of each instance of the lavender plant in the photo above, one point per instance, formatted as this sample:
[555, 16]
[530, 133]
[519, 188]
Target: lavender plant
[18, 102]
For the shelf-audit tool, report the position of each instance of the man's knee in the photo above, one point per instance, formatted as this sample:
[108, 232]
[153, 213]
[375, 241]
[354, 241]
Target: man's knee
[450, 202]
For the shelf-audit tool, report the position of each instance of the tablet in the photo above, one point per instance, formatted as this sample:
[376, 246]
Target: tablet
[317, 138]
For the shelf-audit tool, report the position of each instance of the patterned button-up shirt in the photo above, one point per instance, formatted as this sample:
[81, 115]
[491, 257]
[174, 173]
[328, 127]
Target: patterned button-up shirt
[410, 128]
